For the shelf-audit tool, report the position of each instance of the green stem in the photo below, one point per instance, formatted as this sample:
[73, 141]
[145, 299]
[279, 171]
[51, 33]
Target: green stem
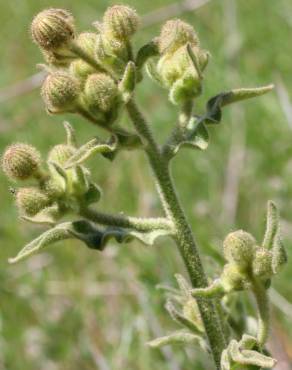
[136, 223]
[262, 300]
[177, 134]
[183, 235]
[82, 54]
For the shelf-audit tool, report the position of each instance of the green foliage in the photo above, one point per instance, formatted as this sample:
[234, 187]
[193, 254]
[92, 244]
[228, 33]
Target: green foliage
[263, 138]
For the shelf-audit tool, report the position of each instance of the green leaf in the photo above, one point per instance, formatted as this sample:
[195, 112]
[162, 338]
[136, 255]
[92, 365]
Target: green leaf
[92, 195]
[147, 51]
[195, 135]
[194, 59]
[279, 254]
[214, 105]
[128, 82]
[240, 356]
[272, 239]
[58, 174]
[47, 216]
[152, 72]
[127, 140]
[85, 231]
[178, 337]
[70, 134]
[184, 286]
[180, 318]
[92, 147]
[272, 225]
[58, 233]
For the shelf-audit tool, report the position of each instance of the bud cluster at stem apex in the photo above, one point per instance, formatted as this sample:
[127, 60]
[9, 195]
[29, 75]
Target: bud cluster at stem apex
[248, 262]
[181, 63]
[56, 190]
[89, 65]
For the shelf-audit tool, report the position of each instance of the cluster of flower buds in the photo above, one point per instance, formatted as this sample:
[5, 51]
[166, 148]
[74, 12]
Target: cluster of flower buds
[181, 61]
[57, 190]
[247, 262]
[113, 42]
[87, 71]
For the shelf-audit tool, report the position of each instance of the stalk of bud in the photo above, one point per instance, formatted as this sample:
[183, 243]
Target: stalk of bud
[57, 60]
[31, 200]
[86, 41]
[60, 91]
[120, 22]
[53, 29]
[21, 161]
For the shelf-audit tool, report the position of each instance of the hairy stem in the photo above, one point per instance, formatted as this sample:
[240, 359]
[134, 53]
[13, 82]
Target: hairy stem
[78, 51]
[136, 223]
[177, 133]
[183, 235]
[262, 300]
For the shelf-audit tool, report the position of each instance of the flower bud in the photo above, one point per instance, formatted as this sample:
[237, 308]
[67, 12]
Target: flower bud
[239, 247]
[112, 54]
[172, 67]
[120, 22]
[53, 28]
[81, 69]
[262, 264]
[61, 153]
[233, 279]
[100, 92]
[174, 34]
[21, 161]
[52, 188]
[87, 42]
[31, 200]
[60, 91]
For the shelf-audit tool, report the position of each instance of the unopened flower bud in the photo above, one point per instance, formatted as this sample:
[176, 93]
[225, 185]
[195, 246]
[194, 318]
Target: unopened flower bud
[87, 42]
[174, 34]
[100, 92]
[81, 69]
[112, 53]
[52, 188]
[173, 67]
[31, 200]
[262, 263]
[60, 91]
[233, 279]
[53, 28]
[120, 22]
[21, 161]
[61, 153]
[239, 247]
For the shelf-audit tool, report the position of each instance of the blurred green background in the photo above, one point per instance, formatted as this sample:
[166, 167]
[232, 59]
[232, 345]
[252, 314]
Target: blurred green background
[72, 308]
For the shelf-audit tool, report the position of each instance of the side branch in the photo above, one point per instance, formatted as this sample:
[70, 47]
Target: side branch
[136, 223]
